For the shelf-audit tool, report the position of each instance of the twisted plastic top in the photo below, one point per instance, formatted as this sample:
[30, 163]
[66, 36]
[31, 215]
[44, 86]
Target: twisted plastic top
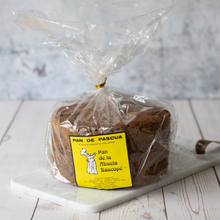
[101, 39]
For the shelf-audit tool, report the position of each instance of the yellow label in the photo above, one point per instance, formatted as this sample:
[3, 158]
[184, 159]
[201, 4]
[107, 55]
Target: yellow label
[101, 161]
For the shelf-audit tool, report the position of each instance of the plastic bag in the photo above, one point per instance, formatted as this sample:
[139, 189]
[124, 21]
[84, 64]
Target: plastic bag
[106, 138]
[149, 125]
[101, 39]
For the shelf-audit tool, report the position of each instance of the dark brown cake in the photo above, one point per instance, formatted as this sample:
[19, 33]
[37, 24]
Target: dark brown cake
[148, 158]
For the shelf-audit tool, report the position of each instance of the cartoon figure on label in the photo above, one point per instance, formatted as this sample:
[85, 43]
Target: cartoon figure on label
[91, 166]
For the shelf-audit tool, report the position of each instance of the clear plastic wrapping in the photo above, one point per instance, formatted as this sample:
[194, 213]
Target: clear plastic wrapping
[102, 39]
[150, 127]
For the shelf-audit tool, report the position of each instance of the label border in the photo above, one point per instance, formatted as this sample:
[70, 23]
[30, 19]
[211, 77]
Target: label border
[100, 135]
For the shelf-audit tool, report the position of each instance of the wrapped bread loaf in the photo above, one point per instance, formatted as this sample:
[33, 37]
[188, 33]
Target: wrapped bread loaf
[146, 123]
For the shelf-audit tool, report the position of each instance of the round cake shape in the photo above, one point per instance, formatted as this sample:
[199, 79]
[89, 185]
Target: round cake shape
[147, 131]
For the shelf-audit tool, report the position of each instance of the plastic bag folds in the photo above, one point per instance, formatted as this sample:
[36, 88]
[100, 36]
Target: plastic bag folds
[149, 126]
[101, 39]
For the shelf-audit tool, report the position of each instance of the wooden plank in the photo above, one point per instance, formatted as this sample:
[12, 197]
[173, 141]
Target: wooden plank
[48, 210]
[7, 110]
[148, 206]
[21, 154]
[208, 116]
[195, 197]
[18, 155]
[187, 127]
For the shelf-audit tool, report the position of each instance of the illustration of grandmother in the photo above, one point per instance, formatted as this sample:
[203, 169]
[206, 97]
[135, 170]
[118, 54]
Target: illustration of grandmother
[91, 166]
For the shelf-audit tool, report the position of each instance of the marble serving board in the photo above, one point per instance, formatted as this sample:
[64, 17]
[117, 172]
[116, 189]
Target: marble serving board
[41, 185]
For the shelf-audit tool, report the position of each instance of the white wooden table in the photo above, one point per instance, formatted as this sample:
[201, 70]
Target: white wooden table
[22, 132]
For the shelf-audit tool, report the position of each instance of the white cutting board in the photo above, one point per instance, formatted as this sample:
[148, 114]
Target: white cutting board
[41, 185]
